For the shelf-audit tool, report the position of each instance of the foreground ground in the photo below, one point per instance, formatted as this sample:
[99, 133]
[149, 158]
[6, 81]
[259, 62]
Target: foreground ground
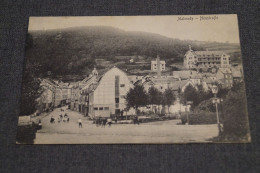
[155, 132]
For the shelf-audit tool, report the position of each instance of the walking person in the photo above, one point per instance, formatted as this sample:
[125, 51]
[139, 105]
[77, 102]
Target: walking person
[80, 123]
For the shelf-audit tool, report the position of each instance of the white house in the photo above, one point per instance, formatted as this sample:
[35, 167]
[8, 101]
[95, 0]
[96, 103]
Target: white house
[205, 59]
[158, 65]
[108, 97]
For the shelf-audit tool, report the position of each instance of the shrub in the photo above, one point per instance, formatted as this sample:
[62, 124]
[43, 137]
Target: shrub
[202, 117]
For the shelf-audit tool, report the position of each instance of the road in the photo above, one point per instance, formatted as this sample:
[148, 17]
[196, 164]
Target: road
[154, 132]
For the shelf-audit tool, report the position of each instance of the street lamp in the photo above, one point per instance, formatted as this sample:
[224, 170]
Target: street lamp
[188, 103]
[214, 89]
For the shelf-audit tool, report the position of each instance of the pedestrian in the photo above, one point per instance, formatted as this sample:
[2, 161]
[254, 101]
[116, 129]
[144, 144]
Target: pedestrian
[80, 123]
[99, 121]
[109, 122]
[116, 120]
[68, 119]
[52, 120]
[104, 122]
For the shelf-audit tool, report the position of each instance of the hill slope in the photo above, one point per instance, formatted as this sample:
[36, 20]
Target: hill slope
[72, 51]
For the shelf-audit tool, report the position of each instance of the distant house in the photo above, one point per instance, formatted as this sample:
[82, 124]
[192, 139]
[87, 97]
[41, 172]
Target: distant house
[193, 76]
[108, 96]
[224, 77]
[205, 59]
[80, 93]
[47, 98]
[158, 65]
[237, 75]
[134, 78]
[181, 85]
[131, 60]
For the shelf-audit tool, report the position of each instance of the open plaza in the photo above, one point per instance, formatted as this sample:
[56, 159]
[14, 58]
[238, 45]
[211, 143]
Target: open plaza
[152, 133]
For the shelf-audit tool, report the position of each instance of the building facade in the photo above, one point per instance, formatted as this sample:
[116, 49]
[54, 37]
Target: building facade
[224, 77]
[108, 97]
[158, 65]
[205, 59]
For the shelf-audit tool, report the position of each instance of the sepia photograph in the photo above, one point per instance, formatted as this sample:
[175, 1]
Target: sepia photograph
[171, 79]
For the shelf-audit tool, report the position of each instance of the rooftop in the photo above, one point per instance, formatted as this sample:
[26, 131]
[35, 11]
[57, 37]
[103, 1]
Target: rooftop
[187, 74]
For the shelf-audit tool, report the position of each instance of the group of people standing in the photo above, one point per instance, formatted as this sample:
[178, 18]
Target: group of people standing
[102, 122]
[63, 117]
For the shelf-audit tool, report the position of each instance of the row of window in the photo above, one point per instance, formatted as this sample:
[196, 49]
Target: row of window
[209, 63]
[101, 108]
[209, 59]
[208, 55]
[156, 64]
[162, 68]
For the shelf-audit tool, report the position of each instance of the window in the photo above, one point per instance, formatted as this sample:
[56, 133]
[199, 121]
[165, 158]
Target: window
[122, 85]
[117, 100]
[106, 108]
[95, 108]
[101, 108]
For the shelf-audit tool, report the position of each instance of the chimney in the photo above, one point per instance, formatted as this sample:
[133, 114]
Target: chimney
[158, 66]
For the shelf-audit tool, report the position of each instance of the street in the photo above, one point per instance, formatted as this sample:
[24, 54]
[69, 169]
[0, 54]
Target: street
[154, 132]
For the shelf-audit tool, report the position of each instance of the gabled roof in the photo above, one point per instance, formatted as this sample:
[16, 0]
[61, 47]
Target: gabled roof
[91, 80]
[208, 53]
[179, 84]
[161, 61]
[187, 74]
[236, 74]
[208, 75]
[99, 78]
[207, 80]
[224, 70]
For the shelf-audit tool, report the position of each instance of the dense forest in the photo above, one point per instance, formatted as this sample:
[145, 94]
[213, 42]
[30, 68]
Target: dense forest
[72, 51]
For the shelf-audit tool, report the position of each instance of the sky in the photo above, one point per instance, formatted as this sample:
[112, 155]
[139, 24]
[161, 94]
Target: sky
[220, 28]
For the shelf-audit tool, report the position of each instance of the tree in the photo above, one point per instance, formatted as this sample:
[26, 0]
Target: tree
[190, 94]
[154, 96]
[31, 89]
[136, 97]
[169, 98]
[235, 114]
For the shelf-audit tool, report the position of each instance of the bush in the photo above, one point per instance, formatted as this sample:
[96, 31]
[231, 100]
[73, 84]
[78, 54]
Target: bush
[235, 120]
[199, 118]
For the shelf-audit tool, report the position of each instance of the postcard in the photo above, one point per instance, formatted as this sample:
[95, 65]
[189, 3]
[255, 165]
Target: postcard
[133, 80]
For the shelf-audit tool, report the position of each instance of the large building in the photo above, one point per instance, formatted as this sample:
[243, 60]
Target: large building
[158, 65]
[205, 59]
[108, 96]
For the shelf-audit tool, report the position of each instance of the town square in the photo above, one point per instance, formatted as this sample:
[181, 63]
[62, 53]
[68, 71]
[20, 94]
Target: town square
[100, 84]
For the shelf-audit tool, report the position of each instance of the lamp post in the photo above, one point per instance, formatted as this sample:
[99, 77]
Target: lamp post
[215, 100]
